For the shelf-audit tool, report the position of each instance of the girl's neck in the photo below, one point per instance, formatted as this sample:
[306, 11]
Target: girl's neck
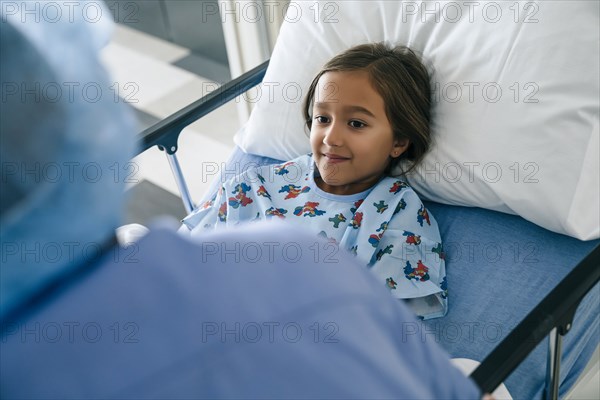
[347, 189]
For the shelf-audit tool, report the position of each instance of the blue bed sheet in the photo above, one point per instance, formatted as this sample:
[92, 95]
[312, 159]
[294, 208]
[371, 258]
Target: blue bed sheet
[499, 267]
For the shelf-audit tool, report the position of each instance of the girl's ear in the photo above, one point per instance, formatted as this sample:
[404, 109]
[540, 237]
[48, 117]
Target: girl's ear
[400, 146]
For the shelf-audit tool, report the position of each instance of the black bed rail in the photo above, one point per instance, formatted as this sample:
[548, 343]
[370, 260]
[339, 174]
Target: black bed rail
[166, 132]
[553, 314]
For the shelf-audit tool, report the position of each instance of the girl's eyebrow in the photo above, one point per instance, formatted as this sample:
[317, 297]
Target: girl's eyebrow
[359, 109]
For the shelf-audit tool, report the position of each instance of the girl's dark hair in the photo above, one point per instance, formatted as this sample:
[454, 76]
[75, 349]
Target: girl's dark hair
[401, 79]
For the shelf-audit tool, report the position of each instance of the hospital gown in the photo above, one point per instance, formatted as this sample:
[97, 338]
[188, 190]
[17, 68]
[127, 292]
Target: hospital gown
[386, 227]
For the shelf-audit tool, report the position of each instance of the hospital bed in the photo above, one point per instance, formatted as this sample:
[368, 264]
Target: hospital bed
[523, 298]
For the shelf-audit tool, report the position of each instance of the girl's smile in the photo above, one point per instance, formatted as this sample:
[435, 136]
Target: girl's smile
[333, 158]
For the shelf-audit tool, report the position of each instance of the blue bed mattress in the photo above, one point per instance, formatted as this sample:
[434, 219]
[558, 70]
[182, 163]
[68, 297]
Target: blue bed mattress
[499, 267]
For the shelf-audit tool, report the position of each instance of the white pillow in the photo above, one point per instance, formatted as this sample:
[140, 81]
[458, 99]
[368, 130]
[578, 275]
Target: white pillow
[531, 149]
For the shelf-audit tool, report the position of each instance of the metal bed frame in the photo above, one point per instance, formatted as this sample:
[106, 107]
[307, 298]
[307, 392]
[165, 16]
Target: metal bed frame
[552, 316]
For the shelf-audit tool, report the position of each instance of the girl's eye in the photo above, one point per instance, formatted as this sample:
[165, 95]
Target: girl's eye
[357, 124]
[321, 119]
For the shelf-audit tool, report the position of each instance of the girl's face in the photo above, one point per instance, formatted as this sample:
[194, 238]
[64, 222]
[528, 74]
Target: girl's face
[351, 137]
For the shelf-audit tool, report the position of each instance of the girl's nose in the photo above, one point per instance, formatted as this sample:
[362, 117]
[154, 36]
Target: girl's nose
[333, 136]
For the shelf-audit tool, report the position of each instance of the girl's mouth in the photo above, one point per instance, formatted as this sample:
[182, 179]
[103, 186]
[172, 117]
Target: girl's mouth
[334, 158]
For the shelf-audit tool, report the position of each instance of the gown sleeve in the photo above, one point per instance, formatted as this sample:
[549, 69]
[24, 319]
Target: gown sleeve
[409, 257]
[208, 214]
[233, 203]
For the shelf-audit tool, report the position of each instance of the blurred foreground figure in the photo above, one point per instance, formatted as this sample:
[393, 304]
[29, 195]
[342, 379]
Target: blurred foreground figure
[246, 314]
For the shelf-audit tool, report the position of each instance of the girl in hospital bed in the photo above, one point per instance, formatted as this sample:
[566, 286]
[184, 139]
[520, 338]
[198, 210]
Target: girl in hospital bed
[367, 110]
